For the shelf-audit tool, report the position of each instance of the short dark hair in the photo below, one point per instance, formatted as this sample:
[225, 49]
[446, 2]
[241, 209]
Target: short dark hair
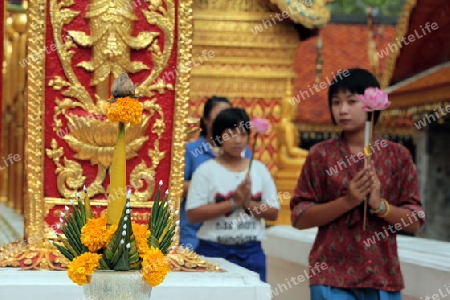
[230, 118]
[356, 82]
[207, 108]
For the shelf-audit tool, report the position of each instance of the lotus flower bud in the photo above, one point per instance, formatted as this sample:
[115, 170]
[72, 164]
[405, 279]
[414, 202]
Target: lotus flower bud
[122, 86]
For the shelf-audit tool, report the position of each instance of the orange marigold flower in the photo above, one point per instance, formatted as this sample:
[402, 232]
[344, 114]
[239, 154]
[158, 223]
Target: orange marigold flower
[110, 232]
[83, 266]
[95, 234]
[155, 266]
[125, 110]
[141, 234]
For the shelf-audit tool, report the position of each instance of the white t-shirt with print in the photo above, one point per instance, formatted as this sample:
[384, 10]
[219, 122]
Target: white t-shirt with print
[212, 183]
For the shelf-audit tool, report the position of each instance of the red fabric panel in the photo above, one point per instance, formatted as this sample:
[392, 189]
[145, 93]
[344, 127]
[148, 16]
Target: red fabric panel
[53, 68]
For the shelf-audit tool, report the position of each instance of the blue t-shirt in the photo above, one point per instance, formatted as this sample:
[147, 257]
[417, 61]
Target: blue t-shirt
[197, 152]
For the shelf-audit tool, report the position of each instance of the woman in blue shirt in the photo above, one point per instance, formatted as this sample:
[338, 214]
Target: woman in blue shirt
[197, 152]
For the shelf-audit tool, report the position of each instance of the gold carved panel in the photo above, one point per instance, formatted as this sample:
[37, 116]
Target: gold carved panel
[68, 133]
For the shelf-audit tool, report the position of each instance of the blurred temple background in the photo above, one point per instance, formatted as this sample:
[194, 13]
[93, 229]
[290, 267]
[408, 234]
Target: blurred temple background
[271, 70]
[279, 68]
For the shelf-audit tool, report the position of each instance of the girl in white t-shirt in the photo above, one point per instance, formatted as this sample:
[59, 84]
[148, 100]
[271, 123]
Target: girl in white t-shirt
[231, 203]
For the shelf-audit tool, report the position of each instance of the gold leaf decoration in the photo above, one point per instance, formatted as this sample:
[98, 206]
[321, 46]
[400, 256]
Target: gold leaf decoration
[95, 141]
[110, 37]
[67, 16]
[140, 177]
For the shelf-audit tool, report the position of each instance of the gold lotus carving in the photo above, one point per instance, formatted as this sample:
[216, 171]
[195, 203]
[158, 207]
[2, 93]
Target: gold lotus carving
[96, 139]
[111, 41]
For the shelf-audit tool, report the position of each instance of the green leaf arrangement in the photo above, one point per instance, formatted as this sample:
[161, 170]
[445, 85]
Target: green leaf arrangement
[122, 252]
[71, 241]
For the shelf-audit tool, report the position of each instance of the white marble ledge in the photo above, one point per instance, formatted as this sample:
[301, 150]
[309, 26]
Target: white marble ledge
[37, 285]
[425, 263]
[11, 225]
[413, 250]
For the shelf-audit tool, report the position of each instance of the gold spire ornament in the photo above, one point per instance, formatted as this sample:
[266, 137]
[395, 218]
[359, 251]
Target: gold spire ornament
[122, 87]
[124, 109]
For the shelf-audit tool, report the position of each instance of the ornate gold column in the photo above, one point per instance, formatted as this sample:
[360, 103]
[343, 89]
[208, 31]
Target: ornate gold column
[12, 181]
[6, 57]
[239, 55]
[245, 50]
[20, 25]
[74, 47]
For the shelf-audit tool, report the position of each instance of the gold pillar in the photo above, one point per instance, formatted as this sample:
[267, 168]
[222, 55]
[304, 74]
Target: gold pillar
[8, 92]
[245, 50]
[241, 51]
[20, 26]
[14, 74]
[6, 52]
[237, 54]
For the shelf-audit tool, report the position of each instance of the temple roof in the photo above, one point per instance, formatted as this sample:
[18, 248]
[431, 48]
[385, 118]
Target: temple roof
[418, 74]
[425, 25]
[344, 46]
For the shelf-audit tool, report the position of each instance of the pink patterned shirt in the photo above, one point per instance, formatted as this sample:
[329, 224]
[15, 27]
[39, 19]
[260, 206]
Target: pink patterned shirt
[357, 258]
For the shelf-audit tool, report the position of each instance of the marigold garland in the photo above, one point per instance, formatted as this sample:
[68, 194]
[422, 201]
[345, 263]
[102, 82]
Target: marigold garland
[95, 234]
[125, 110]
[155, 266]
[83, 266]
[113, 240]
[141, 235]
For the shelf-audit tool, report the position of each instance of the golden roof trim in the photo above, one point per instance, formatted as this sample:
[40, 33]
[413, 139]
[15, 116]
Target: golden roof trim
[315, 15]
[413, 79]
[402, 28]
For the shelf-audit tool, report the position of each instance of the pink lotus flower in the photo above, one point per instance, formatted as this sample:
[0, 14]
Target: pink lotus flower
[374, 99]
[260, 125]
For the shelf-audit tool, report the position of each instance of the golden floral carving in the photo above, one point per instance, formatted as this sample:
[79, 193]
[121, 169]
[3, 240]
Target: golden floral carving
[39, 254]
[184, 259]
[95, 141]
[139, 177]
[70, 174]
[179, 133]
[111, 40]
[92, 138]
[34, 206]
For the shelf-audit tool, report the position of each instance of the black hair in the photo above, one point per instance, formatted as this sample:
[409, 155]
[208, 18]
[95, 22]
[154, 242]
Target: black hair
[355, 81]
[230, 118]
[207, 108]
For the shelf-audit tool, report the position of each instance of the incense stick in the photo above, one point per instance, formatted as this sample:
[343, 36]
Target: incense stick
[368, 155]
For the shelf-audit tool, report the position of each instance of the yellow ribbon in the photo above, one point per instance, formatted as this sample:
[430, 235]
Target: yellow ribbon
[367, 151]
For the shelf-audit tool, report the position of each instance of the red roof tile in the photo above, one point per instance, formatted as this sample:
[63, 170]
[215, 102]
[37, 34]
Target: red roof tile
[344, 46]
